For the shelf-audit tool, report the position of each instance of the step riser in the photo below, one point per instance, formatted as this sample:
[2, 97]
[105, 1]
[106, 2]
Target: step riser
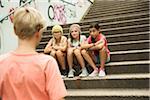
[114, 5]
[128, 38]
[118, 11]
[107, 98]
[123, 18]
[127, 69]
[127, 47]
[118, 14]
[129, 57]
[126, 30]
[108, 84]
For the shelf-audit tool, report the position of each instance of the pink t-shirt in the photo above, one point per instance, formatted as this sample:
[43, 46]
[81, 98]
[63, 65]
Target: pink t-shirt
[30, 77]
[100, 37]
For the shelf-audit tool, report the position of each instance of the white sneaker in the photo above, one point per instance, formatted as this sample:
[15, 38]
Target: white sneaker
[71, 73]
[94, 73]
[63, 76]
[84, 73]
[101, 73]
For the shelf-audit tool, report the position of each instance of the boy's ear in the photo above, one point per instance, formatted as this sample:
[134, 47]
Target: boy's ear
[14, 29]
[37, 34]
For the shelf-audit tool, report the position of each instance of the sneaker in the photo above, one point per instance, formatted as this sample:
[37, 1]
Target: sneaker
[94, 73]
[84, 73]
[71, 73]
[102, 73]
[64, 73]
[63, 76]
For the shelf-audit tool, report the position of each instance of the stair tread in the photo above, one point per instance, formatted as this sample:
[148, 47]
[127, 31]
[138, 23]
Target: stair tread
[113, 76]
[128, 63]
[108, 92]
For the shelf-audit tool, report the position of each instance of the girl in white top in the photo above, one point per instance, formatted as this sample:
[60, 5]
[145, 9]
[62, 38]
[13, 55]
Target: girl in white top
[57, 47]
[74, 48]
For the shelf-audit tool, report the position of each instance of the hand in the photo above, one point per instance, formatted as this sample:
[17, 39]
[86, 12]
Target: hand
[55, 47]
[78, 48]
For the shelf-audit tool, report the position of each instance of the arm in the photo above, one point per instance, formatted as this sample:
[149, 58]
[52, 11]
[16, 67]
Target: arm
[85, 45]
[98, 45]
[48, 47]
[63, 45]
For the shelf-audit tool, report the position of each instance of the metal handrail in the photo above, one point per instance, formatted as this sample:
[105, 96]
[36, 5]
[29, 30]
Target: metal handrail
[90, 1]
[67, 2]
[6, 17]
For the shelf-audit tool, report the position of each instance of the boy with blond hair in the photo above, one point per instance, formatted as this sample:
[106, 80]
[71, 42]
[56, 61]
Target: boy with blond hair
[24, 73]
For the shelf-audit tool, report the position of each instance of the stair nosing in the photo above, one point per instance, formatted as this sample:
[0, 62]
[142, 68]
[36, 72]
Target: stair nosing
[108, 92]
[128, 63]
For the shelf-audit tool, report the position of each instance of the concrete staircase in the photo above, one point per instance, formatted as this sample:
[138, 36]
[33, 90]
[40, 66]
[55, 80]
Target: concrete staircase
[125, 24]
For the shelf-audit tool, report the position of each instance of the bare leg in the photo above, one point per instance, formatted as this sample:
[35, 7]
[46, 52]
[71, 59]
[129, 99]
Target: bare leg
[79, 57]
[103, 57]
[70, 57]
[53, 53]
[61, 59]
[88, 58]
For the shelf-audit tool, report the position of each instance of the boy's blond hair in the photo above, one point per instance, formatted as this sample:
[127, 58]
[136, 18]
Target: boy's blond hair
[27, 21]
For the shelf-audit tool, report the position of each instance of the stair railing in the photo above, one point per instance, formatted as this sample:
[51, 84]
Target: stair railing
[6, 17]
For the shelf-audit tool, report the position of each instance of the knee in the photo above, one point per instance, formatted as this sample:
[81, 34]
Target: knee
[59, 53]
[77, 52]
[69, 51]
[53, 53]
[83, 52]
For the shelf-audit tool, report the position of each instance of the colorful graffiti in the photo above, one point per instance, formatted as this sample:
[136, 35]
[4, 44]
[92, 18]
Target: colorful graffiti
[60, 12]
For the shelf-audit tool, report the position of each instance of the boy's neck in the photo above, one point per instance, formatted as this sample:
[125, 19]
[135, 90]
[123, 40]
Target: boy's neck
[26, 47]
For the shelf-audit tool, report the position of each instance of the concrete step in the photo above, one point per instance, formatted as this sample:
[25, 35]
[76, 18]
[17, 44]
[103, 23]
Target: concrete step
[129, 45]
[131, 55]
[118, 81]
[117, 6]
[111, 38]
[126, 67]
[106, 21]
[127, 37]
[108, 94]
[126, 29]
[116, 3]
[117, 12]
[108, 26]
[116, 18]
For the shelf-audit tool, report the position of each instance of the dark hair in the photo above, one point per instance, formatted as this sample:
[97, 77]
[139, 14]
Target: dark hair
[95, 25]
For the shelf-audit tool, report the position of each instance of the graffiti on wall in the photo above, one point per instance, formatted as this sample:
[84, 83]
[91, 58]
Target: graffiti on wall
[11, 9]
[1, 5]
[60, 12]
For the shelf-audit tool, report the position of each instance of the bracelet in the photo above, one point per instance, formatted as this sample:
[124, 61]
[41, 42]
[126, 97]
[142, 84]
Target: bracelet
[93, 44]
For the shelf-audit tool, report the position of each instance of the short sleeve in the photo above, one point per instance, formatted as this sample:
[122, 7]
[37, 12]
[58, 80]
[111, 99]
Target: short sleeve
[54, 83]
[89, 40]
[83, 38]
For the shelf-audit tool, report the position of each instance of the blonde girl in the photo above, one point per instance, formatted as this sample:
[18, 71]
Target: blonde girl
[57, 47]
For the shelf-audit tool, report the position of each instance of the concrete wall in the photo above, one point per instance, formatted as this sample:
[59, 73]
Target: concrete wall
[55, 12]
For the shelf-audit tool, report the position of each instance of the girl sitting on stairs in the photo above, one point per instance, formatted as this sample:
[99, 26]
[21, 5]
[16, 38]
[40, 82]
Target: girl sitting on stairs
[74, 42]
[97, 50]
[57, 47]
